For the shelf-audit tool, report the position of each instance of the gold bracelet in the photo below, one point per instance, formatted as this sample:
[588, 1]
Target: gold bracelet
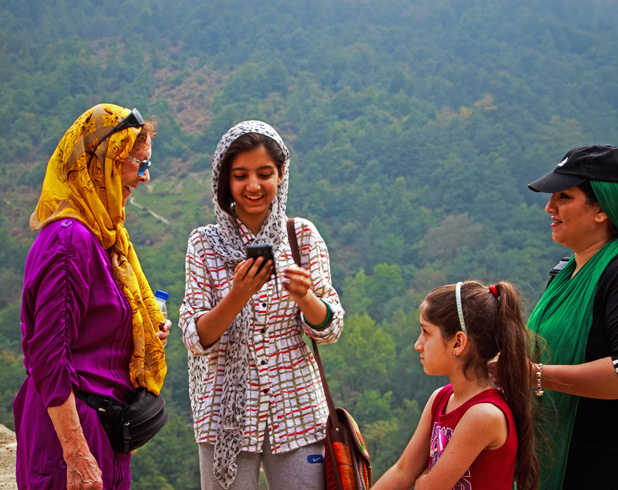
[539, 388]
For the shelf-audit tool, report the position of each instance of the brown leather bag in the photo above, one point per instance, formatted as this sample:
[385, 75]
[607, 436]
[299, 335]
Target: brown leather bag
[346, 459]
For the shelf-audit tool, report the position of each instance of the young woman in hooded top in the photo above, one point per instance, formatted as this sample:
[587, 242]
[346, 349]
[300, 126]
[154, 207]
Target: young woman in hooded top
[255, 388]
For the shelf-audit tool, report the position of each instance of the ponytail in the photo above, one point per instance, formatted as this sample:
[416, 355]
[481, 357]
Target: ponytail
[513, 371]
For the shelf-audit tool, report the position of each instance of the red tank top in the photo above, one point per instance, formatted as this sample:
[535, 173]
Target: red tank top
[491, 470]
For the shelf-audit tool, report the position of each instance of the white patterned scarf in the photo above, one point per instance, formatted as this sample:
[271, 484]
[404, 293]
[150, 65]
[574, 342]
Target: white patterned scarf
[227, 242]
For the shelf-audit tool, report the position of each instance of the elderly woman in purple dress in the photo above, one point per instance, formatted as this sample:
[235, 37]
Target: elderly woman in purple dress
[89, 319]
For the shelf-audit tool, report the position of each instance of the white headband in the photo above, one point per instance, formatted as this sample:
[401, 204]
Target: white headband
[459, 308]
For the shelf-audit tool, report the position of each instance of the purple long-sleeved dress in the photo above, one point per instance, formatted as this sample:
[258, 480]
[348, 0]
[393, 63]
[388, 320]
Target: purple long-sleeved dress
[76, 327]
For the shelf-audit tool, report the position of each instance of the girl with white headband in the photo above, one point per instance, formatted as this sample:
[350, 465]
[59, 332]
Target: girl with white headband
[471, 434]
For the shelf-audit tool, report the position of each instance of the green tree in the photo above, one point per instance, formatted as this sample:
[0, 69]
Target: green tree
[355, 294]
[361, 360]
[12, 375]
[170, 460]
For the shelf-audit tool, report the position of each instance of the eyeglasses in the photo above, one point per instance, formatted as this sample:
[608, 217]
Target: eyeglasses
[133, 120]
[143, 164]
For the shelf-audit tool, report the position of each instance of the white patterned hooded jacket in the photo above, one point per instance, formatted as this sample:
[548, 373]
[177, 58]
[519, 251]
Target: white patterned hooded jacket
[260, 373]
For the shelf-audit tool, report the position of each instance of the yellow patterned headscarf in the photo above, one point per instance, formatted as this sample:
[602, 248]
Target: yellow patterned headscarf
[77, 185]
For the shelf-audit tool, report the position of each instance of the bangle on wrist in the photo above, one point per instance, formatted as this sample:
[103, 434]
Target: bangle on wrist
[329, 316]
[539, 388]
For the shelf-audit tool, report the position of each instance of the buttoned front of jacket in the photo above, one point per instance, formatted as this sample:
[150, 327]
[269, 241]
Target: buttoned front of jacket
[284, 391]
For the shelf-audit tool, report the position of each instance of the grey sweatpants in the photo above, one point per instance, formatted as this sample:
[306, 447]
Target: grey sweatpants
[302, 468]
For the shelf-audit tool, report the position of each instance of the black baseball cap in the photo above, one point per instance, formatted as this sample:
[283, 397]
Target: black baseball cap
[580, 165]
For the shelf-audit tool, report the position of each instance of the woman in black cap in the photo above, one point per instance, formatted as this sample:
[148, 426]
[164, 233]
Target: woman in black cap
[577, 320]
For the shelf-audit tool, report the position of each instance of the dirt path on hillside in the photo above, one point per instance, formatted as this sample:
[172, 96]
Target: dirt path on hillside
[8, 446]
[157, 216]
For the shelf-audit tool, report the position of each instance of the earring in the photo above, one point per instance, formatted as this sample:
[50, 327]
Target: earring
[455, 355]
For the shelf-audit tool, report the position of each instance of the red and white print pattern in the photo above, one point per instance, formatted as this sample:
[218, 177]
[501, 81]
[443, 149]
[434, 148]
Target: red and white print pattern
[285, 391]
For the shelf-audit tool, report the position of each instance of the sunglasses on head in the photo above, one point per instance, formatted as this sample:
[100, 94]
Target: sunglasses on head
[143, 164]
[133, 120]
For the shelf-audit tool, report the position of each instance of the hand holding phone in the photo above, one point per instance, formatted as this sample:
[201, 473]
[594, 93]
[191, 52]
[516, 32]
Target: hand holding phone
[264, 250]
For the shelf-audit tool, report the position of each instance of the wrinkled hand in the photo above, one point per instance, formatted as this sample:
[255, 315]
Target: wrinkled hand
[164, 332]
[297, 282]
[83, 472]
[247, 279]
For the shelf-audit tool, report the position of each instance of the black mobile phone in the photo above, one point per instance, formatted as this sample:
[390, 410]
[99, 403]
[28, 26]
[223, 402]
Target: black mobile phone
[262, 250]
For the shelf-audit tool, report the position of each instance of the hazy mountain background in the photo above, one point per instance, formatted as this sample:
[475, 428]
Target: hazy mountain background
[414, 127]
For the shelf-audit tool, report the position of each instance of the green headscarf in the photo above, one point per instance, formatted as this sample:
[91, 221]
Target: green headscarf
[607, 194]
[562, 318]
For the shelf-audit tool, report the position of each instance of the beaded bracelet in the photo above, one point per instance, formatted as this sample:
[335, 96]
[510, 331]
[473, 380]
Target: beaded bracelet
[539, 388]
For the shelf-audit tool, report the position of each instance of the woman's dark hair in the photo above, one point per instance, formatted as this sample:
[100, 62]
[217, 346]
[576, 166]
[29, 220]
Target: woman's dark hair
[591, 199]
[495, 326]
[586, 188]
[244, 143]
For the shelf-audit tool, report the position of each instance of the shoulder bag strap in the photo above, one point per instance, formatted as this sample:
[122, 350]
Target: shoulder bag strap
[292, 238]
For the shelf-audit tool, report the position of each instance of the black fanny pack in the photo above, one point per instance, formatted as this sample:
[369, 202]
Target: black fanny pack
[129, 426]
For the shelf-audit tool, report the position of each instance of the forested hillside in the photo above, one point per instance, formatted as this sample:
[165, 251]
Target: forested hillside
[414, 127]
